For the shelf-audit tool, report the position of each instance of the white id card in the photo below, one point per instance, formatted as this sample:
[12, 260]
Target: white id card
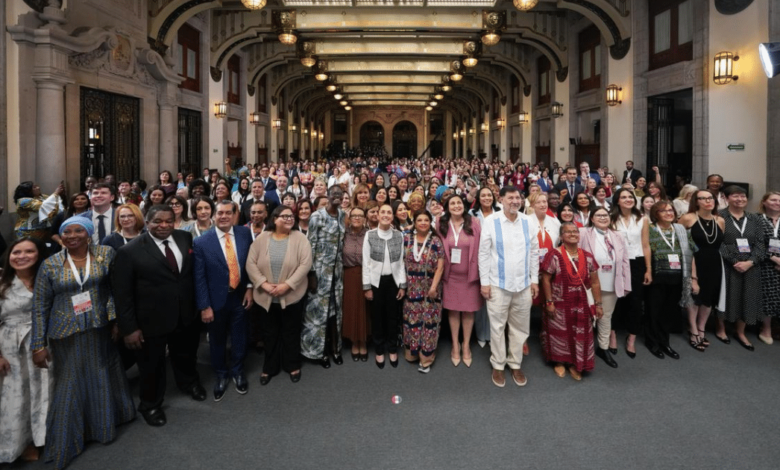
[743, 245]
[542, 254]
[455, 256]
[82, 303]
[606, 268]
[774, 246]
[674, 262]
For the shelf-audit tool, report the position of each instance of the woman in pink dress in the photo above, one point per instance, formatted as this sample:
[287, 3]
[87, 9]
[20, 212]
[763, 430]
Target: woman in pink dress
[460, 234]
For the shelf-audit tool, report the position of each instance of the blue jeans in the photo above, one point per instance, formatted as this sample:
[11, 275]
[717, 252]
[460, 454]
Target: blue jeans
[229, 320]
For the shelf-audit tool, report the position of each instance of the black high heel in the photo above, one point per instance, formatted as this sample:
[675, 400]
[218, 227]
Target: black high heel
[629, 353]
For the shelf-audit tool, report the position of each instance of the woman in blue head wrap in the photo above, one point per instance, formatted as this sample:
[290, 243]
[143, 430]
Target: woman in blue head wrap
[74, 330]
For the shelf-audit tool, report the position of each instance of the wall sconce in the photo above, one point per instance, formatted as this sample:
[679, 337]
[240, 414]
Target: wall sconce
[724, 68]
[220, 110]
[500, 123]
[463, 133]
[485, 127]
[556, 110]
[254, 118]
[433, 103]
[770, 58]
[343, 103]
[338, 96]
[331, 85]
[470, 49]
[305, 131]
[455, 135]
[438, 96]
[613, 95]
[522, 117]
[293, 128]
[276, 123]
[472, 131]
[525, 5]
[493, 22]
[321, 136]
[306, 53]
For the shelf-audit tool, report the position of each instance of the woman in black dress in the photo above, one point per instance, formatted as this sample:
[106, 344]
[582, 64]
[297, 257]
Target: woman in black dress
[707, 230]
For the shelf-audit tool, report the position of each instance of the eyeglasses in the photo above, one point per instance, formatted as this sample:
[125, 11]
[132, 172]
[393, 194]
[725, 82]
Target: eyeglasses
[708, 198]
[287, 217]
[175, 204]
[601, 216]
[355, 217]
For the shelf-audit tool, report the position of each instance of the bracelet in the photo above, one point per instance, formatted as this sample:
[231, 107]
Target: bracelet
[599, 304]
[548, 302]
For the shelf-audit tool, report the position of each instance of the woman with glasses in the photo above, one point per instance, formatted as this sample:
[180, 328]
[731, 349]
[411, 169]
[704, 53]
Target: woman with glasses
[179, 205]
[706, 228]
[743, 249]
[355, 324]
[129, 223]
[672, 260]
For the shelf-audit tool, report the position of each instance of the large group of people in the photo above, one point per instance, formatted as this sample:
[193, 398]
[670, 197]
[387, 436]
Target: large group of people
[298, 258]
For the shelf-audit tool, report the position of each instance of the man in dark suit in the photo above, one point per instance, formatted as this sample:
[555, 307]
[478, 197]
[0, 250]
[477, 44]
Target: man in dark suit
[223, 294]
[568, 188]
[631, 172]
[102, 212]
[275, 196]
[154, 292]
[268, 182]
[291, 171]
[258, 194]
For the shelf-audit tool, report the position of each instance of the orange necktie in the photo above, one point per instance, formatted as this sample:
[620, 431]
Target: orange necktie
[232, 262]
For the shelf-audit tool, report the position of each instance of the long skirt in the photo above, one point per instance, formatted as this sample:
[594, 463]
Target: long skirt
[355, 321]
[567, 337]
[91, 395]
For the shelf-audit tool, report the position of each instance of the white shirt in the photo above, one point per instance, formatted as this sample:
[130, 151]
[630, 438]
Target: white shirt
[109, 216]
[222, 238]
[508, 253]
[552, 228]
[600, 253]
[632, 235]
[172, 245]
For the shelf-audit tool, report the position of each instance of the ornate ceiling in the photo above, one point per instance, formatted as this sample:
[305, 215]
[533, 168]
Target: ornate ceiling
[393, 52]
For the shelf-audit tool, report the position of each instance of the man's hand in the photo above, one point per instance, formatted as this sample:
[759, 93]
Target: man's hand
[534, 290]
[207, 315]
[400, 294]
[5, 367]
[369, 294]
[134, 340]
[248, 300]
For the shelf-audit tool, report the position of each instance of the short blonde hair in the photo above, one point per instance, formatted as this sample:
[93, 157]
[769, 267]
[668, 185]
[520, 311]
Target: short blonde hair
[686, 191]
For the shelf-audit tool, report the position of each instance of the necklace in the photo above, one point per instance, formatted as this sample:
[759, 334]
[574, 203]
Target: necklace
[707, 236]
[78, 259]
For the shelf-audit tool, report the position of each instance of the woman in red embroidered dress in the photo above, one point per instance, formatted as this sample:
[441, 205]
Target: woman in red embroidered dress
[567, 325]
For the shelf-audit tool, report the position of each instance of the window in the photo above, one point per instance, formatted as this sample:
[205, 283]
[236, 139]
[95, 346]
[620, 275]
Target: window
[188, 57]
[590, 59]
[543, 66]
[234, 79]
[261, 92]
[671, 32]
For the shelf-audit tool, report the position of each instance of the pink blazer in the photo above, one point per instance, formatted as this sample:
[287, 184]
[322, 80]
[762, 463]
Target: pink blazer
[622, 268]
[473, 252]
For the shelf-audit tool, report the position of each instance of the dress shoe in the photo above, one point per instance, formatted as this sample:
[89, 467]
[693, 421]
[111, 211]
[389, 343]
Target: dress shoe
[519, 377]
[656, 352]
[766, 339]
[670, 352]
[744, 344]
[393, 363]
[725, 339]
[295, 377]
[154, 417]
[612, 351]
[364, 357]
[607, 357]
[629, 353]
[337, 359]
[325, 362]
[498, 378]
[264, 379]
[355, 357]
[219, 388]
[242, 386]
[196, 391]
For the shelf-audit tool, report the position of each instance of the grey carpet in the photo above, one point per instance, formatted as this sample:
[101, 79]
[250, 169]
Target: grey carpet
[707, 410]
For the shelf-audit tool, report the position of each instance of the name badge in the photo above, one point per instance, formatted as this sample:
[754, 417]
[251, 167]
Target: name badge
[674, 262]
[82, 303]
[455, 256]
[606, 268]
[542, 254]
[774, 246]
[743, 245]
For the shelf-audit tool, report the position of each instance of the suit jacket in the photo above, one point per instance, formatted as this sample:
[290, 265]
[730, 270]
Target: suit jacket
[245, 214]
[272, 197]
[212, 277]
[635, 175]
[88, 214]
[270, 185]
[291, 173]
[564, 185]
[148, 295]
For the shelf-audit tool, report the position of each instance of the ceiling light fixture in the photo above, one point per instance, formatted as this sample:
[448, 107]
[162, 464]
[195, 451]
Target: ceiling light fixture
[525, 5]
[284, 22]
[457, 71]
[254, 4]
[493, 22]
[320, 71]
[306, 53]
[347, 108]
[470, 49]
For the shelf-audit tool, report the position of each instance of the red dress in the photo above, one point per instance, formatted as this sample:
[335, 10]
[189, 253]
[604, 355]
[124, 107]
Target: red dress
[567, 338]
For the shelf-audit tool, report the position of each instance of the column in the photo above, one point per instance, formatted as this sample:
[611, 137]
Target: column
[50, 134]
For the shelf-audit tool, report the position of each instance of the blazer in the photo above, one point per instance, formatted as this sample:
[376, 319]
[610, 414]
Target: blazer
[294, 273]
[564, 185]
[272, 197]
[148, 295]
[622, 267]
[473, 260]
[245, 214]
[270, 185]
[211, 273]
[635, 175]
[88, 214]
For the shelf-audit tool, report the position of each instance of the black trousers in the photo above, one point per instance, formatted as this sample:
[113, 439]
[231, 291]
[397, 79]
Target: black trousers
[183, 351]
[663, 311]
[385, 316]
[282, 336]
[629, 309]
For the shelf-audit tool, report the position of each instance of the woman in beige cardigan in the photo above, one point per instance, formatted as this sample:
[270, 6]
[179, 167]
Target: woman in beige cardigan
[278, 265]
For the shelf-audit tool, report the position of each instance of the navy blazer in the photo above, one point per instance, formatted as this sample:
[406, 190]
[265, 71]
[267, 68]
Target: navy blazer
[212, 278]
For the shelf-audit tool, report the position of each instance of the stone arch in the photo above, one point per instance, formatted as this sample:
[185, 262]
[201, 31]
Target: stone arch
[372, 133]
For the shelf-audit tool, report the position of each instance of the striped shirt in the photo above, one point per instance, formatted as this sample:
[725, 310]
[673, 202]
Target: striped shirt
[508, 253]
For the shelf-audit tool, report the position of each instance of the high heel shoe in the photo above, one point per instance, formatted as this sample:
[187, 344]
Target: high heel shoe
[381, 365]
[455, 358]
[629, 353]
[466, 360]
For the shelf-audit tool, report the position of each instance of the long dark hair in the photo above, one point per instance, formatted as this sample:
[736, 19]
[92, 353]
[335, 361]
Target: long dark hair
[478, 205]
[148, 200]
[72, 210]
[184, 215]
[616, 206]
[8, 274]
[444, 220]
[694, 205]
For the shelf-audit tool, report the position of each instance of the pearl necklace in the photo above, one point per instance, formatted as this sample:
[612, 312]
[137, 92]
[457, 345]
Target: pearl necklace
[707, 236]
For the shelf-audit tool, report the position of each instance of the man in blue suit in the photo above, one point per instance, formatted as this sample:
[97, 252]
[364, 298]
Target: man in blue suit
[224, 294]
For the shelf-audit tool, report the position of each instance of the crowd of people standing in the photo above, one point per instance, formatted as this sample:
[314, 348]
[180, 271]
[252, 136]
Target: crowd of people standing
[293, 259]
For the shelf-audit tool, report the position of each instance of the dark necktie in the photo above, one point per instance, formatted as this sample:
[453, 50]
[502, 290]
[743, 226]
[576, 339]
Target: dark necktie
[571, 190]
[101, 228]
[171, 258]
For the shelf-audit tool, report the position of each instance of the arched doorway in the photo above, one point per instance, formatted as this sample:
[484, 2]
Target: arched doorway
[372, 135]
[405, 140]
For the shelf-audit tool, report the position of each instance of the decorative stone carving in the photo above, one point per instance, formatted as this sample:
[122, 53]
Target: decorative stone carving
[274, 100]
[527, 90]
[620, 49]
[216, 74]
[250, 89]
[561, 74]
[731, 7]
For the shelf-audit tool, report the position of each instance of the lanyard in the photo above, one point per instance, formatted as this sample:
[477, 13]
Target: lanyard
[603, 244]
[744, 223]
[455, 233]
[76, 271]
[419, 254]
[542, 235]
[664, 237]
[775, 226]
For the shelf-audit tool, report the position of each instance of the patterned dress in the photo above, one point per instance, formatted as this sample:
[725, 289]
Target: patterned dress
[25, 391]
[29, 211]
[743, 290]
[567, 338]
[326, 235]
[422, 316]
[770, 277]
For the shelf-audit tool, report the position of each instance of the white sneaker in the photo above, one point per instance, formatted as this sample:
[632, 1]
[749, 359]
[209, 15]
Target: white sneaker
[423, 369]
